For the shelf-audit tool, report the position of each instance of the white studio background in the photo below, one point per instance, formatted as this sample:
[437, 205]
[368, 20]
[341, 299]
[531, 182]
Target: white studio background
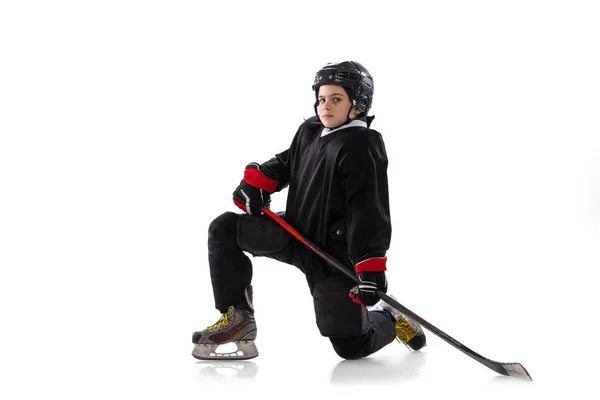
[126, 125]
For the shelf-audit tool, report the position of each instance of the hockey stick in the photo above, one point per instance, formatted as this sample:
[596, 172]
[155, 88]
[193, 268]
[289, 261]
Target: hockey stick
[509, 369]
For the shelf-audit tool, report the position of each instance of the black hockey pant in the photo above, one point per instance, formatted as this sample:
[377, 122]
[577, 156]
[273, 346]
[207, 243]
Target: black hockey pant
[353, 331]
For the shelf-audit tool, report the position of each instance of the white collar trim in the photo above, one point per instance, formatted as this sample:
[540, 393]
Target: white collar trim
[351, 124]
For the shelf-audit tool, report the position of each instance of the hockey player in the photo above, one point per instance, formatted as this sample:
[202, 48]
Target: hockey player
[336, 170]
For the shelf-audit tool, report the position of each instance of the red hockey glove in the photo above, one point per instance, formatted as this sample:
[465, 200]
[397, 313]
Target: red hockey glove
[254, 191]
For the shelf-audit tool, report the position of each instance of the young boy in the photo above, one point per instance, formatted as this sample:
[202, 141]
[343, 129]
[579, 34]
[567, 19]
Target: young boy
[336, 170]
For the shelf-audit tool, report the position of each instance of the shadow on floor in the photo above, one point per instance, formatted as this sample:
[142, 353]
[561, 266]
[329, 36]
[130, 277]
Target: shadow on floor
[227, 370]
[370, 370]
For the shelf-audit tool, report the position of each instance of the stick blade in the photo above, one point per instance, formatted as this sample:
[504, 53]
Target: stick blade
[517, 370]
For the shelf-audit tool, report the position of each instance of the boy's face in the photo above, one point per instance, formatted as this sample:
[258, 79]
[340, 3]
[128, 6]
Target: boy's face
[334, 105]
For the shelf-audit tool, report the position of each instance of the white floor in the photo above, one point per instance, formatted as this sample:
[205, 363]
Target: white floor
[137, 344]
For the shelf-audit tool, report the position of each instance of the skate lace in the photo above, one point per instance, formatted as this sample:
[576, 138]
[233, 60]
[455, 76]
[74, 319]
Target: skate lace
[223, 321]
[405, 331]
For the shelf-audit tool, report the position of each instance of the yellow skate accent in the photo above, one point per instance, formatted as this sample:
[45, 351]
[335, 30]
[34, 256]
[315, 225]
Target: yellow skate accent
[405, 331]
[222, 322]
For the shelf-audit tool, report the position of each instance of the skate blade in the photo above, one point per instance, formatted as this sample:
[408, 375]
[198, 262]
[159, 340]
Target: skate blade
[245, 351]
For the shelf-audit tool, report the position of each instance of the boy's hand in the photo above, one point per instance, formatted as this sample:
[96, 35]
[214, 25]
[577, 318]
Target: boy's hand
[254, 191]
[368, 284]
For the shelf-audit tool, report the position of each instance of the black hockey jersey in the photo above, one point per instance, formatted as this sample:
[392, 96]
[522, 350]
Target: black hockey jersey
[338, 190]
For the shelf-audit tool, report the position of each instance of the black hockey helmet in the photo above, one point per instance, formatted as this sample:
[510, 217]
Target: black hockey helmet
[353, 77]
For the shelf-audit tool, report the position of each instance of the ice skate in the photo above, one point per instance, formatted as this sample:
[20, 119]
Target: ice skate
[236, 326]
[408, 331]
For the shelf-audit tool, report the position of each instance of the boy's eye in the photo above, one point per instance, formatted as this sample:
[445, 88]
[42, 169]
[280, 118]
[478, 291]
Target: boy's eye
[335, 100]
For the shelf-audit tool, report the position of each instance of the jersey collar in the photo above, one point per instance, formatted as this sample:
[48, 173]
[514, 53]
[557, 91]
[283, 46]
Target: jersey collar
[352, 124]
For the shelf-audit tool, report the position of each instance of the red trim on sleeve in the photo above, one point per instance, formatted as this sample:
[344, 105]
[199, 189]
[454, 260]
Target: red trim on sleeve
[259, 180]
[375, 264]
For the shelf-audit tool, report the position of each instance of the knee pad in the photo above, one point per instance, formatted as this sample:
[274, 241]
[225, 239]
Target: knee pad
[225, 225]
[336, 314]
[348, 348]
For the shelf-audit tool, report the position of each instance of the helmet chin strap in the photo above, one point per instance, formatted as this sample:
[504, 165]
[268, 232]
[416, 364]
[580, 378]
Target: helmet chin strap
[347, 121]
